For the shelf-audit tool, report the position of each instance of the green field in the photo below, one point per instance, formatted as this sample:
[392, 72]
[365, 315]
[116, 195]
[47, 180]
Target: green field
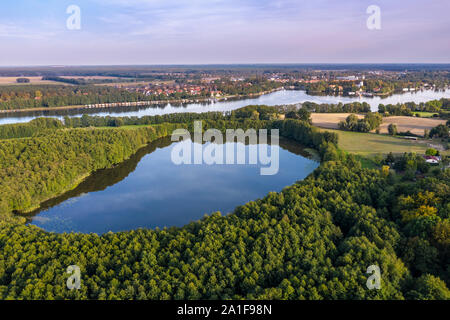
[370, 144]
[425, 114]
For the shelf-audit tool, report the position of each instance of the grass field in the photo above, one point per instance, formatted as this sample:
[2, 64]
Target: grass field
[425, 114]
[370, 144]
[33, 80]
[415, 125]
[90, 77]
[329, 120]
[132, 83]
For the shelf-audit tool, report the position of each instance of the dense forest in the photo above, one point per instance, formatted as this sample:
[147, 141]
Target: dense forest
[313, 240]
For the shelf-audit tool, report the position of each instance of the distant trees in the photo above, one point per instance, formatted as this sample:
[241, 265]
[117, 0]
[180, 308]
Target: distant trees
[23, 80]
[352, 107]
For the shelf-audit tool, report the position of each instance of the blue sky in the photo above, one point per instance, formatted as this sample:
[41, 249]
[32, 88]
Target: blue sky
[34, 32]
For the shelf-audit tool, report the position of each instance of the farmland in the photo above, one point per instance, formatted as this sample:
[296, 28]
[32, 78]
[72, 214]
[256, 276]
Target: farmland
[33, 80]
[415, 125]
[370, 144]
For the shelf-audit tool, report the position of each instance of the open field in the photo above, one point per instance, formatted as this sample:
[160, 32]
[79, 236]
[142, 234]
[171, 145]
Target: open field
[414, 124]
[33, 80]
[133, 83]
[329, 120]
[424, 114]
[90, 77]
[370, 144]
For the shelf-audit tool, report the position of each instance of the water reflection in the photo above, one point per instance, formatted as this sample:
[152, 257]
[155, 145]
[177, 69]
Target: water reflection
[276, 98]
[147, 190]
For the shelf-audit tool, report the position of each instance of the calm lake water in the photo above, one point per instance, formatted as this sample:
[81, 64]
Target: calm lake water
[271, 99]
[149, 191]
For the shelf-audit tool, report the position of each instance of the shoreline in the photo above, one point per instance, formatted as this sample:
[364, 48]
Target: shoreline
[113, 105]
[139, 103]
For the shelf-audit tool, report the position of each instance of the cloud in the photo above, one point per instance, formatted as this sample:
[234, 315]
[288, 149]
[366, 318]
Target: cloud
[225, 31]
[15, 31]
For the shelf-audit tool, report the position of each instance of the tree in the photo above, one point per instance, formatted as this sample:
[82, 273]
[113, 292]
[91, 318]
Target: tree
[385, 171]
[392, 129]
[305, 115]
[23, 80]
[441, 131]
[390, 158]
[429, 287]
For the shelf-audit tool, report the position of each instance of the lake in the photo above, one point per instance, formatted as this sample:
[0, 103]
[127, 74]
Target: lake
[149, 190]
[275, 98]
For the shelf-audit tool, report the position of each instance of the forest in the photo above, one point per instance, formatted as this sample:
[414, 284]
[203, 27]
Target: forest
[313, 240]
[45, 96]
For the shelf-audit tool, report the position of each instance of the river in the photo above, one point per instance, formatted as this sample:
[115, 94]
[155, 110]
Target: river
[281, 97]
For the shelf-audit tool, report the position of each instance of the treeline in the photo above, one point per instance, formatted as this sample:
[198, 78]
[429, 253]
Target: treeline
[45, 96]
[313, 240]
[83, 81]
[253, 85]
[254, 112]
[22, 130]
[353, 107]
[408, 108]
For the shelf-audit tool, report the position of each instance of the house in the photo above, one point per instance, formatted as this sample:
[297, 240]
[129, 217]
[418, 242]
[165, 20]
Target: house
[432, 159]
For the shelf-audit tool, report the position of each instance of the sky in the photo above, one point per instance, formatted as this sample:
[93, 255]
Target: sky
[115, 32]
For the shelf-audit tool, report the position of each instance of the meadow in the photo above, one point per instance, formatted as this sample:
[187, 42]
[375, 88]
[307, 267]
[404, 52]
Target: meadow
[370, 144]
[416, 125]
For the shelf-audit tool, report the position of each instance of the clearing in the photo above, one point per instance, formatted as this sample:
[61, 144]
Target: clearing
[33, 80]
[370, 144]
[413, 124]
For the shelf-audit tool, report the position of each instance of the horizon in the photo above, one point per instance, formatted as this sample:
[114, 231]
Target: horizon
[262, 64]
